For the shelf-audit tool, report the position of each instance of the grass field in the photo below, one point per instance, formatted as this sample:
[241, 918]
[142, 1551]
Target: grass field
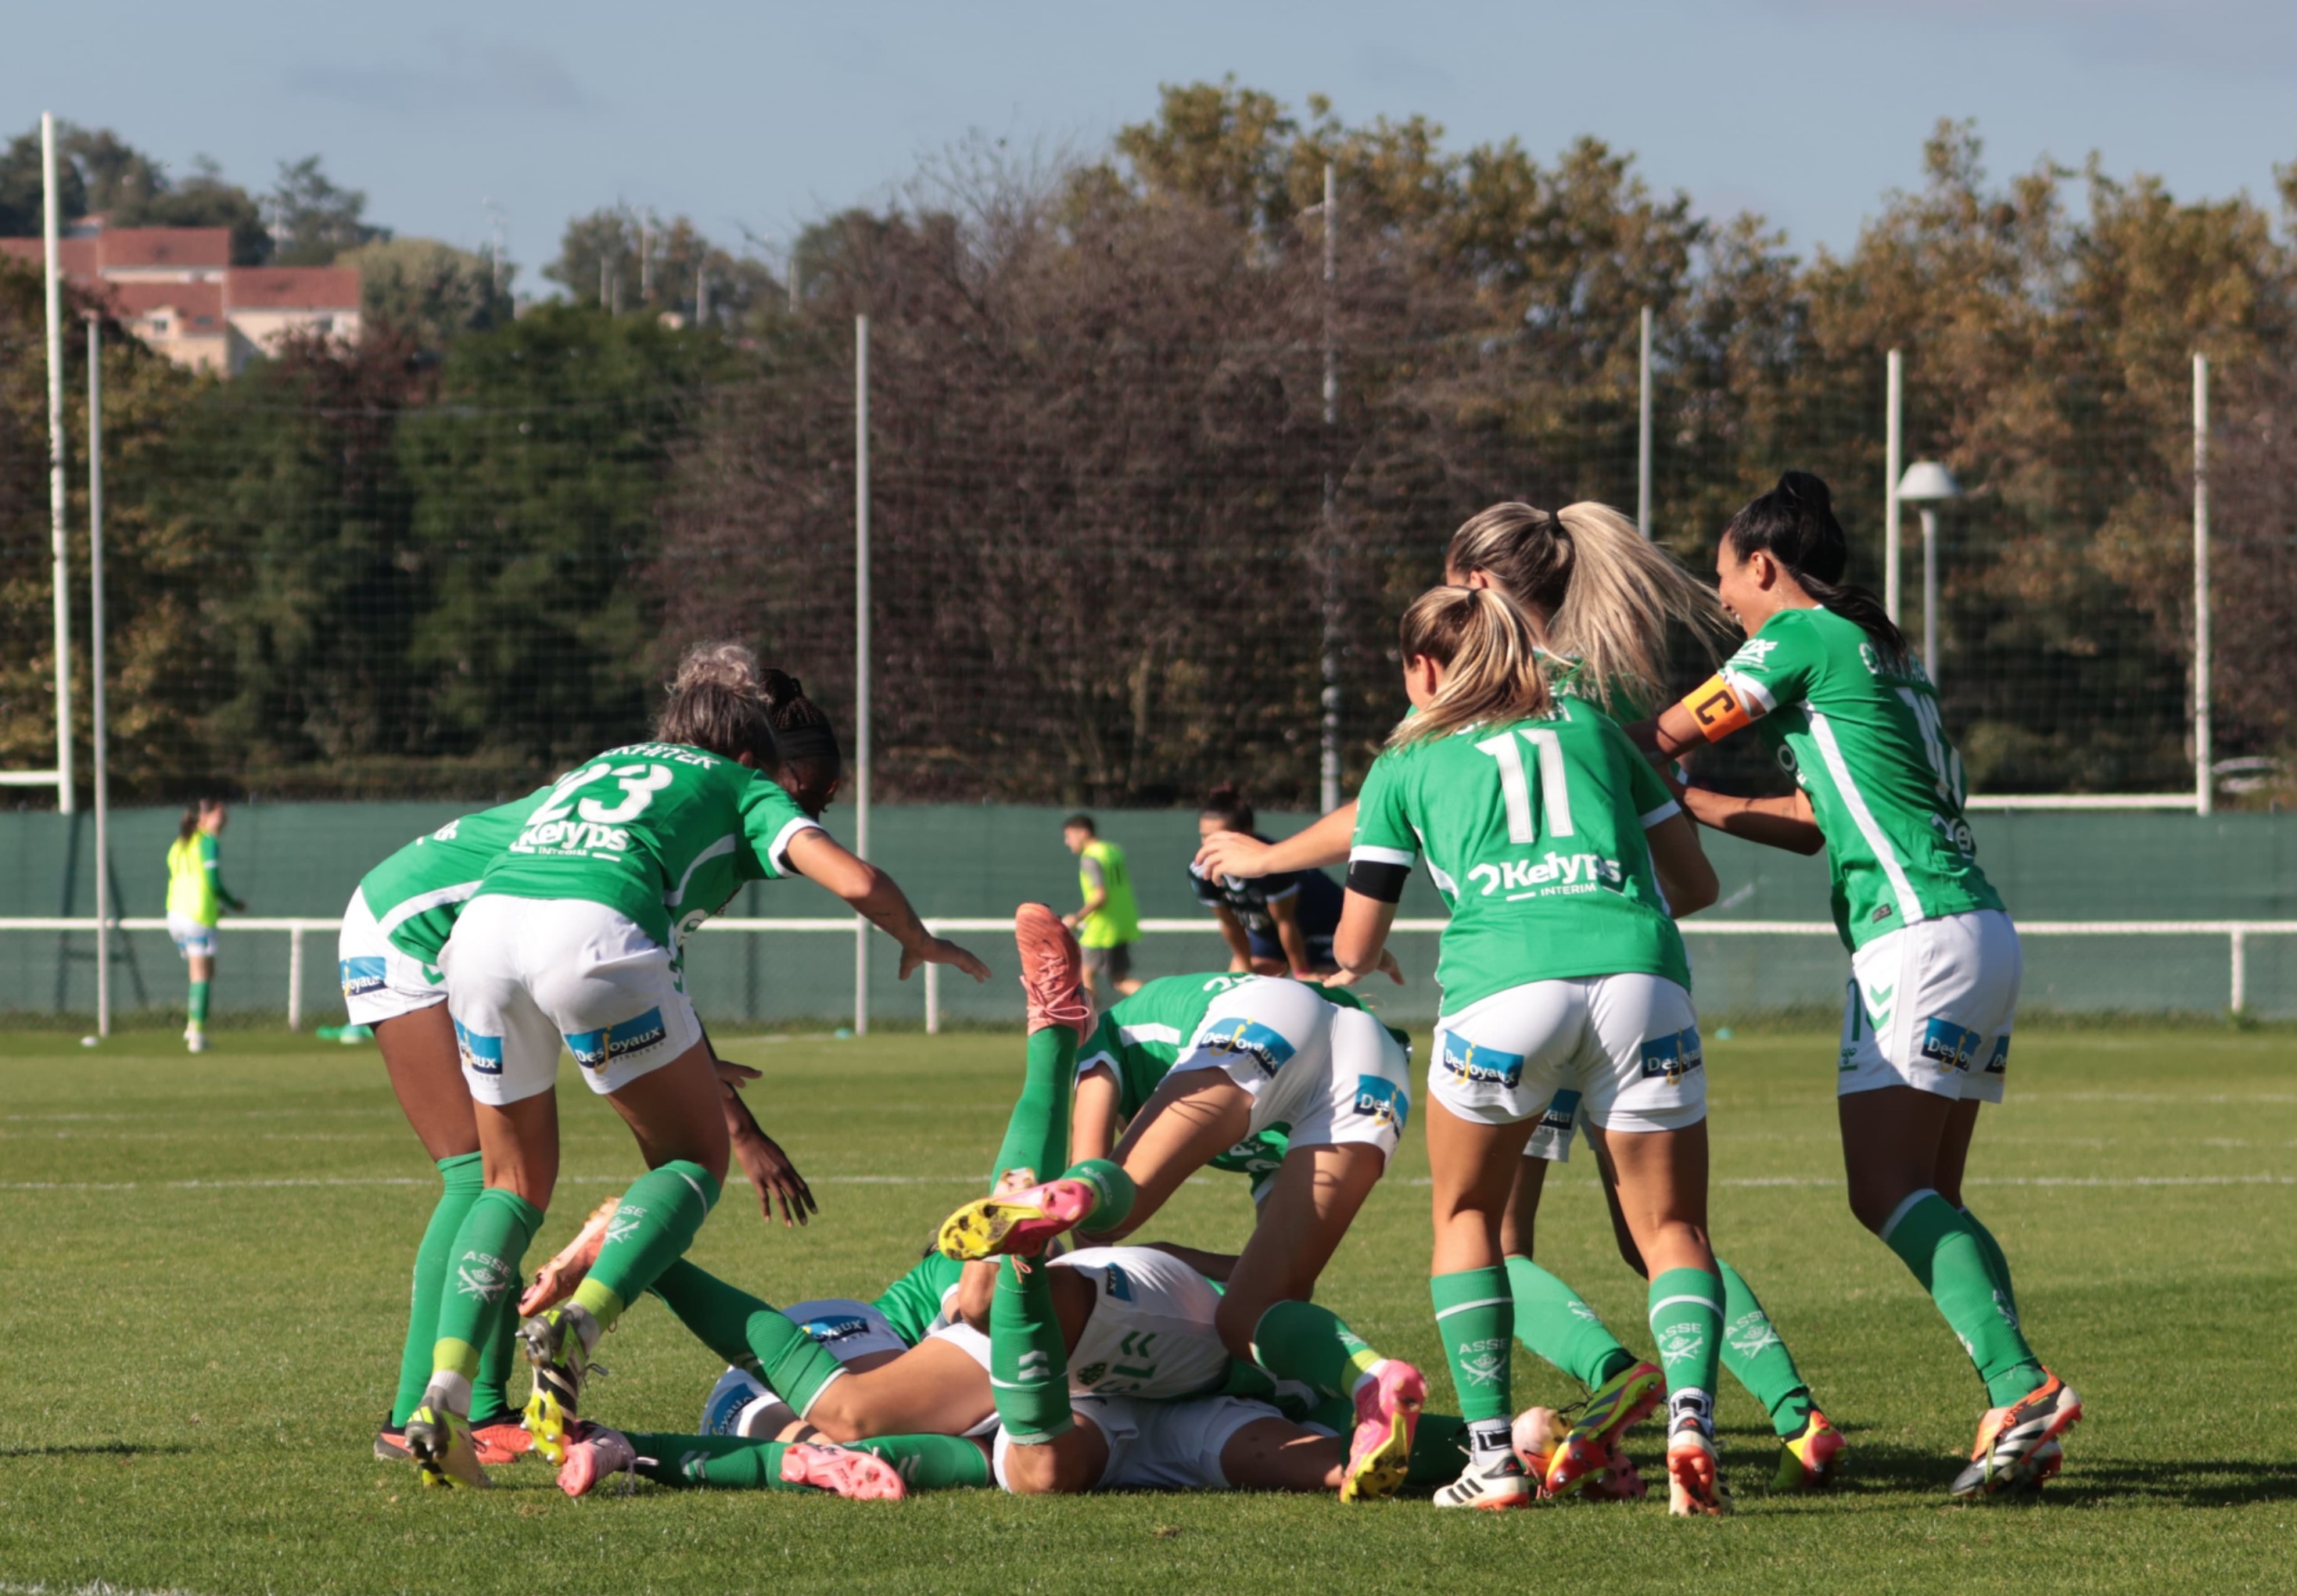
[203, 1295]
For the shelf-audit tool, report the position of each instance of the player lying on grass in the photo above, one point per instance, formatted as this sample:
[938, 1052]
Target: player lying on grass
[1935, 962]
[574, 936]
[1233, 1057]
[393, 929]
[1561, 965]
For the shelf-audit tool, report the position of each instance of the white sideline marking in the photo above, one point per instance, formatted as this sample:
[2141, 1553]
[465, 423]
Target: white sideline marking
[731, 1179]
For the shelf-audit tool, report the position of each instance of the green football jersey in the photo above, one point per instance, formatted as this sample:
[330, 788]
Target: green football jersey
[1141, 1038]
[661, 833]
[416, 893]
[1533, 834]
[1863, 737]
[911, 1304]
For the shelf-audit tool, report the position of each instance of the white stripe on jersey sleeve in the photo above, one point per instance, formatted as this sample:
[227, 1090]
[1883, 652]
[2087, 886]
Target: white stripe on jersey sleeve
[1822, 732]
[1169, 1035]
[1383, 856]
[1748, 687]
[778, 855]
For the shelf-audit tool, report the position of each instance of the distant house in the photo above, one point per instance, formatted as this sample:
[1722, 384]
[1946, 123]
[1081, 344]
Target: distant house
[176, 289]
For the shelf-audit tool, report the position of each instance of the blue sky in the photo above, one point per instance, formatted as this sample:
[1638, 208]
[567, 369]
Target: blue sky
[764, 116]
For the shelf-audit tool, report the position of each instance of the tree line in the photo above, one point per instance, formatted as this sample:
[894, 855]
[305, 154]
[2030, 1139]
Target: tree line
[1118, 527]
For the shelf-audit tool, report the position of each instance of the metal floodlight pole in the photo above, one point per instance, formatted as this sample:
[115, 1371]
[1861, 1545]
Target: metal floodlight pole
[56, 496]
[2205, 795]
[95, 674]
[1328, 760]
[1930, 593]
[1893, 407]
[1644, 433]
[861, 656]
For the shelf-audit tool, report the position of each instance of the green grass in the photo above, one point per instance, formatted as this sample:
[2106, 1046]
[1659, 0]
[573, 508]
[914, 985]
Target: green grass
[203, 1291]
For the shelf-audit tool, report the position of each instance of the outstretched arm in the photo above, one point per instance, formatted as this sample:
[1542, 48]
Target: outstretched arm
[1787, 822]
[1234, 853]
[879, 898]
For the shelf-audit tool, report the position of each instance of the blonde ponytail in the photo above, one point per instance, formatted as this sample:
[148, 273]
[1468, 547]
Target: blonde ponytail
[1608, 595]
[1489, 650]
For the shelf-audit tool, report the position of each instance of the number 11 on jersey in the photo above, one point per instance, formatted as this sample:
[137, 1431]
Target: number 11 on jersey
[1515, 784]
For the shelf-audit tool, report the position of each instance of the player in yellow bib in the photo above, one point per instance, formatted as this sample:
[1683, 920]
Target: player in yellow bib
[196, 901]
[1109, 924]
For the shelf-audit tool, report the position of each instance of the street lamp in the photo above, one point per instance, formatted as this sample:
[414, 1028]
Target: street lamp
[1927, 483]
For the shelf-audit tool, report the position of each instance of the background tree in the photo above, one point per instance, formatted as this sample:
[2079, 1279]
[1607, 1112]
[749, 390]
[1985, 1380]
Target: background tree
[312, 220]
[429, 292]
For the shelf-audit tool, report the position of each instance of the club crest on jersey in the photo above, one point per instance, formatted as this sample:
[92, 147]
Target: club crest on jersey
[1090, 1375]
[596, 1050]
[481, 1055]
[1471, 1065]
[1254, 1041]
[1948, 1045]
[1673, 1056]
[1382, 1101]
[1482, 1361]
[361, 977]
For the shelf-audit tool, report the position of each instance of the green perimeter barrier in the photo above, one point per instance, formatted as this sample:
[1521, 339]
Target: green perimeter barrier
[961, 860]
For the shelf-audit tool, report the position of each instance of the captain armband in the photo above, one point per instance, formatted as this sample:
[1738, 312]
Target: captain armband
[1718, 708]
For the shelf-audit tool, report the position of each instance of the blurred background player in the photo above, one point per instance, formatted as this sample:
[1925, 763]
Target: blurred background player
[1829, 682]
[1275, 925]
[196, 900]
[1109, 924]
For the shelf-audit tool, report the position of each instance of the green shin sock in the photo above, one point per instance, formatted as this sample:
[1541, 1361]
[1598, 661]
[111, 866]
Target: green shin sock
[198, 1005]
[748, 1333]
[1934, 1239]
[1758, 1358]
[1686, 1321]
[1555, 1324]
[491, 1397]
[1439, 1450]
[1037, 1135]
[1475, 1319]
[1995, 1260]
[1028, 1364]
[462, 1180]
[482, 1267]
[650, 1231]
[931, 1462]
[1303, 1342]
[1116, 1193]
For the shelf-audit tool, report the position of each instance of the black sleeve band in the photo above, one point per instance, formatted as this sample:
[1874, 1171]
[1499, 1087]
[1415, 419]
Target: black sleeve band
[1378, 880]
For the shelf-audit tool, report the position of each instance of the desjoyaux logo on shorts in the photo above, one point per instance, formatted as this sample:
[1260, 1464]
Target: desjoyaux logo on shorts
[596, 1050]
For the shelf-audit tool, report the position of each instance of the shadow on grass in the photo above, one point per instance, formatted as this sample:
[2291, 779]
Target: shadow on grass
[1877, 1467]
[96, 1449]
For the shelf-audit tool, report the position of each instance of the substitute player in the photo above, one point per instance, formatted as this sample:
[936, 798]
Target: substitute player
[1107, 924]
[196, 900]
[1561, 966]
[573, 937]
[1935, 960]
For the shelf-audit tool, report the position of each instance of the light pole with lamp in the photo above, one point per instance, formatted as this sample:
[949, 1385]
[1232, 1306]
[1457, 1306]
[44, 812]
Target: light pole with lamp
[1927, 483]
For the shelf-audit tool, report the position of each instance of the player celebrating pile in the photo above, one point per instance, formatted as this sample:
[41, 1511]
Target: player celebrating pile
[1553, 839]
[573, 934]
[1935, 961]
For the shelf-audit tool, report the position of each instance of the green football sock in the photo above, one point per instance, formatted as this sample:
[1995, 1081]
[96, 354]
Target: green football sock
[1758, 1358]
[198, 1005]
[1115, 1188]
[1439, 1450]
[1686, 1321]
[1475, 1319]
[748, 1333]
[1555, 1323]
[499, 1356]
[1028, 1363]
[1037, 1135]
[482, 1267]
[1997, 1260]
[731, 1462]
[651, 1230]
[1934, 1239]
[461, 1179]
[1303, 1342]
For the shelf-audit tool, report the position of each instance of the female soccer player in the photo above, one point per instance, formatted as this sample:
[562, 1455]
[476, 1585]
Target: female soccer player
[573, 934]
[196, 900]
[1608, 600]
[1273, 925]
[1561, 852]
[1935, 960]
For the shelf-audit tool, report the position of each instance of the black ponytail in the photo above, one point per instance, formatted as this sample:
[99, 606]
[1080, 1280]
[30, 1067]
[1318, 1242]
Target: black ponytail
[1794, 523]
[811, 763]
[1226, 805]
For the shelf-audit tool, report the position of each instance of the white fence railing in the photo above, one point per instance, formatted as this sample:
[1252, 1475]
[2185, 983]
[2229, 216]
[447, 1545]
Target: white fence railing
[2237, 934]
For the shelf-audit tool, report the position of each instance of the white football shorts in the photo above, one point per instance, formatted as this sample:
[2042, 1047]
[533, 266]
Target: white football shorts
[193, 939]
[1557, 1125]
[1150, 1333]
[1931, 1006]
[380, 983]
[1334, 1077]
[1628, 1044]
[1160, 1445]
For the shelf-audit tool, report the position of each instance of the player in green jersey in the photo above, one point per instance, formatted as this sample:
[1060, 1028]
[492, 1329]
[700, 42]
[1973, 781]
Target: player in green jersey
[196, 900]
[1935, 963]
[573, 937]
[1561, 853]
[1608, 601]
